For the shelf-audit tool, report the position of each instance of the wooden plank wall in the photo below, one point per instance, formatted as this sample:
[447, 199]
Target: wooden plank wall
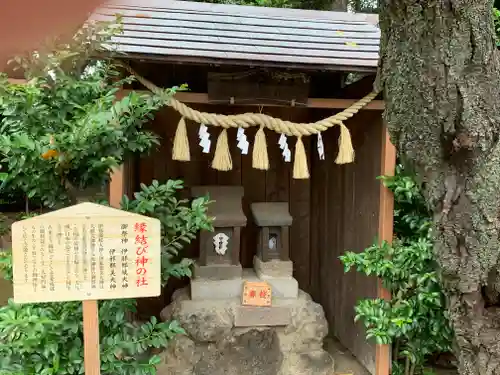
[334, 211]
[273, 185]
[345, 216]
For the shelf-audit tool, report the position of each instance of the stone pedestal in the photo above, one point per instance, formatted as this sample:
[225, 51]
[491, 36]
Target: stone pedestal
[217, 271]
[273, 268]
[203, 289]
[225, 338]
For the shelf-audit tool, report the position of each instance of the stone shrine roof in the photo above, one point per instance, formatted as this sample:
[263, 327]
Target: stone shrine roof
[227, 208]
[271, 214]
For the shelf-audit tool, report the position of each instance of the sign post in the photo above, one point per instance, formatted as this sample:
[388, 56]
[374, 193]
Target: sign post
[91, 345]
[87, 253]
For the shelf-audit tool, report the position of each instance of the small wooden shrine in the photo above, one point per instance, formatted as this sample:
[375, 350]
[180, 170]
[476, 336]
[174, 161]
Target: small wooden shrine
[281, 108]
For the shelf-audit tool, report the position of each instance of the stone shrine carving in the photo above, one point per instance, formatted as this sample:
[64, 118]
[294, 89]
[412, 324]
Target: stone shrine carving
[221, 242]
[220, 249]
[253, 321]
[273, 249]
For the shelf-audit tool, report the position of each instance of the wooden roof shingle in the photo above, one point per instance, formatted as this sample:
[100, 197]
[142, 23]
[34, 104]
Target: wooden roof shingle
[192, 31]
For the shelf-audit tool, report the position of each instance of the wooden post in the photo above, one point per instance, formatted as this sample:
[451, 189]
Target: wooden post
[116, 187]
[385, 230]
[285, 244]
[92, 358]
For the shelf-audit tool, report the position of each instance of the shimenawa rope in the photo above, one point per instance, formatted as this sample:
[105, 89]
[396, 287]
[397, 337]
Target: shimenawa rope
[222, 159]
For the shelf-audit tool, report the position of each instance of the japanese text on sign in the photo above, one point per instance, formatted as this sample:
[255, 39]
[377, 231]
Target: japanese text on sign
[84, 252]
[141, 242]
[256, 294]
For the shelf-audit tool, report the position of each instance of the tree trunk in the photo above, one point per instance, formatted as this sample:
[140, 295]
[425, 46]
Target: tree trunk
[440, 75]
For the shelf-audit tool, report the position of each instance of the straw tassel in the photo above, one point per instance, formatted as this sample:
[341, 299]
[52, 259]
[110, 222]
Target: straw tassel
[222, 158]
[300, 169]
[260, 160]
[180, 150]
[346, 151]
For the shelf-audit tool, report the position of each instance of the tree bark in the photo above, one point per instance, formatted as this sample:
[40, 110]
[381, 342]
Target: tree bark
[439, 72]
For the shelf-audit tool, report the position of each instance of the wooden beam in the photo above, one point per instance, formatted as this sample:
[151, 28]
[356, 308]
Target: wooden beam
[202, 98]
[385, 231]
[327, 103]
[196, 60]
[377, 105]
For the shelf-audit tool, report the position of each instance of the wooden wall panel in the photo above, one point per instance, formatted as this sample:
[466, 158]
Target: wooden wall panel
[300, 209]
[334, 211]
[346, 217]
[254, 184]
[273, 185]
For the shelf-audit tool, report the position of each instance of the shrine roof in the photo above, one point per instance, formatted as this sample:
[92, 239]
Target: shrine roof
[271, 214]
[227, 206]
[183, 31]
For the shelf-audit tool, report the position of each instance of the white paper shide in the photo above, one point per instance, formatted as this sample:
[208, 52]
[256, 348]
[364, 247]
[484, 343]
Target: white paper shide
[321, 147]
[221, 242]
[285, 151]
[204, 137]
[243, 143]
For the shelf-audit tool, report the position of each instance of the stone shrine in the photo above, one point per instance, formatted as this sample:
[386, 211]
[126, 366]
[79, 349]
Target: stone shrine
[225, 337]
[273, 253]
[220, 249]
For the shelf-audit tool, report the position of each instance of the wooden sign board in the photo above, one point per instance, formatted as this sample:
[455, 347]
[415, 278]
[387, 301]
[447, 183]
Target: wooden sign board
[256, 293]
[86, 252]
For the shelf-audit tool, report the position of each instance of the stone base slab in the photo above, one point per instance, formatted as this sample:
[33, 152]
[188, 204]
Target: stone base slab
[219, 340]
[251, 316]
[207, 289]
[218, 271]
[273, 268]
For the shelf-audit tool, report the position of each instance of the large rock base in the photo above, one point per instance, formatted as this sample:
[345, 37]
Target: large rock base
[214, 345]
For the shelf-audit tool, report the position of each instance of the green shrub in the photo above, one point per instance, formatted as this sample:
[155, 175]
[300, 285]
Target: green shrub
[43, 339]
[496, 22]
[415, 319]
[64, 132]
[48, 151]
[67, 127]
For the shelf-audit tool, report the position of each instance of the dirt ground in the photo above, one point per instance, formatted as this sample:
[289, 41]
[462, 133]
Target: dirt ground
[346, 364]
